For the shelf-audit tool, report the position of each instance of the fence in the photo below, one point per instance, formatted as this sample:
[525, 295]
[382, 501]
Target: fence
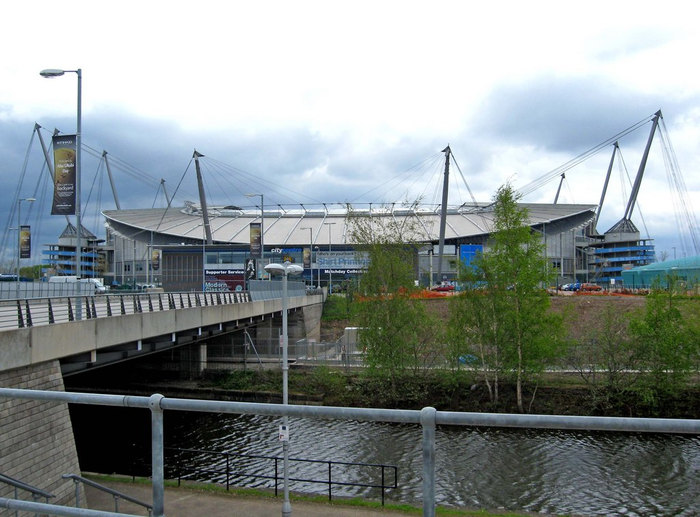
[428, 418]
[47, 311]
[267, 352]
[229, 467]
[272, 289]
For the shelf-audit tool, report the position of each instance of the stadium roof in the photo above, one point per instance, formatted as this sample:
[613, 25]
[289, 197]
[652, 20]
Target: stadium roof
[287, 227]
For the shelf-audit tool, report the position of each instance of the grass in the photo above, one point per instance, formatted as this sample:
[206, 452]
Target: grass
[312, 499]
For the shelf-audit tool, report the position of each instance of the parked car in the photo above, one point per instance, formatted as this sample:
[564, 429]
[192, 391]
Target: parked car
[571, 287]
[590, 287]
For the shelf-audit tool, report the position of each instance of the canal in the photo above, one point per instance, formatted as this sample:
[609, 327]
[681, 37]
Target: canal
[537, 471]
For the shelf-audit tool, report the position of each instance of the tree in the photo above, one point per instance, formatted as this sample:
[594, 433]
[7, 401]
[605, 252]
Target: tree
[666, 345]
[503, 316]
[605, 357]
[396, 330]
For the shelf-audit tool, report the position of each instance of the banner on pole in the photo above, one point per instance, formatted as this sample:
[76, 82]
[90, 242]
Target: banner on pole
[25, 242]
[64, 175]
[255, 240]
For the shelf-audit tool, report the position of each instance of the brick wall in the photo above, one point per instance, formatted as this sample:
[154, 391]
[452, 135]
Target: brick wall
[36, 438]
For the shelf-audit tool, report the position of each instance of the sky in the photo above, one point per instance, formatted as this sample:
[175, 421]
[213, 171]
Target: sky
[334, 102]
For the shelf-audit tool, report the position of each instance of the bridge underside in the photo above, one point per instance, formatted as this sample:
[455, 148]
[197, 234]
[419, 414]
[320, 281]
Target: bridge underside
[237, 329]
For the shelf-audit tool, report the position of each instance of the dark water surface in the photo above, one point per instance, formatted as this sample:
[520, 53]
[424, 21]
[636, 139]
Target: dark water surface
[548, 472]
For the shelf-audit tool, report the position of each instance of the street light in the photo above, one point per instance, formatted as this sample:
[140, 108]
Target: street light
[318, 267]
[262, 227]
[330, 262]
[50, 73]
[19, 235]
[285, 270]
[311, 252]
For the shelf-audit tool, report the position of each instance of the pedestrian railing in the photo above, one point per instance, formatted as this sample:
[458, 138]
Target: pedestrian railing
[77, 480]
[428, 418]
[199, 464]
[37, 493]
[31, 312]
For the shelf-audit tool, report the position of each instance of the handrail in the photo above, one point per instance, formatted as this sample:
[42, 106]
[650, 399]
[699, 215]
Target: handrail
[31, 312]
[428, 418]
[328, 481]
[25, 486]
[114, 493]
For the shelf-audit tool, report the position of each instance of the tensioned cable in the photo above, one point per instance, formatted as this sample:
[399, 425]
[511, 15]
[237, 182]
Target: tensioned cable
[680, 191]
[427, 163]
[174, 193]
[546, 178]
[471, 195]
[15, 201]
[255, 179]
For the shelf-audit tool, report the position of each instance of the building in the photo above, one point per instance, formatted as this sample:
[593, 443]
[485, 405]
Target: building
[181, 249]
[59, 258]
[686, 270]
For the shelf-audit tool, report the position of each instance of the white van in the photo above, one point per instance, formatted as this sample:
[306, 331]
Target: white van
[97, 284]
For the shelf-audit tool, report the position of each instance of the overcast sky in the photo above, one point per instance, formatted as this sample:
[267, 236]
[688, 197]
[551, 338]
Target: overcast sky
[326, 101]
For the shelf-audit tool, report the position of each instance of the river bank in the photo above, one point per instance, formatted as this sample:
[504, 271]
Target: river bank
[557, 393]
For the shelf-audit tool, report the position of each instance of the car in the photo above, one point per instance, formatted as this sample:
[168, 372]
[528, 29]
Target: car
[445, 286]
[590, 287]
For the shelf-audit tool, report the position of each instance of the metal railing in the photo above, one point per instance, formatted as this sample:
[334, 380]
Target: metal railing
[428, 418]
[47, 311]
[37, 493]
[77, 480]
[229, 472]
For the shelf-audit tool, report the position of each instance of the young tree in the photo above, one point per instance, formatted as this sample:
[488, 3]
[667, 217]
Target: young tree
[604, 357]
[504, 314]
[396, 330]
[666, 345]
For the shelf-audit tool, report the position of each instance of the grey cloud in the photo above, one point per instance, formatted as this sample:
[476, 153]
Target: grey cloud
[565, 115]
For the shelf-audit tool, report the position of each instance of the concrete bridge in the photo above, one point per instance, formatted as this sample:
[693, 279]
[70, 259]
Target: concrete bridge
[120, 327]
[41, 340]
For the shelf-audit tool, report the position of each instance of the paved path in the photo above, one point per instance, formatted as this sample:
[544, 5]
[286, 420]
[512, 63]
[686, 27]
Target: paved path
[189, 502]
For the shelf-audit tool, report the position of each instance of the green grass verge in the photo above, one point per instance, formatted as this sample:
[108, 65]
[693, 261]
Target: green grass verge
[314, 499]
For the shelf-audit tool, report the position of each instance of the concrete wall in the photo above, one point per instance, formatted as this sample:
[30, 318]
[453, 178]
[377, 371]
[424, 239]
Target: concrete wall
[36, 438]
[312, 321]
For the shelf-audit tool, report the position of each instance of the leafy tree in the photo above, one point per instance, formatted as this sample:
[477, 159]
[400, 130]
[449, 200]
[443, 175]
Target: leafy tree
[666, 345]
[604, 358]
[396, 330]
[33, 272]
[503, 317]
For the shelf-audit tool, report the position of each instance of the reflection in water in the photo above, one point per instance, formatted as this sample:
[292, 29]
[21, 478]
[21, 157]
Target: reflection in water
[547, 472]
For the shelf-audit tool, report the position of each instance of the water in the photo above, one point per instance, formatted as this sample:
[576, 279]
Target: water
[547, 472]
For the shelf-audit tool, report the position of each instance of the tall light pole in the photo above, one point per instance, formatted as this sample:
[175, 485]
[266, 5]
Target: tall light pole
[285, 270]
[262, 228]
[51, 73]
[19, 235]
[330, 267]
[311, 252]
[318, 268]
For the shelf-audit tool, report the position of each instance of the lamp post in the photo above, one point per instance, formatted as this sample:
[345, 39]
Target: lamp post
[19, 235]
[262, 227]
[311, 252]
[330, 267]
[318, 268]
[285, 270]
[49, 74]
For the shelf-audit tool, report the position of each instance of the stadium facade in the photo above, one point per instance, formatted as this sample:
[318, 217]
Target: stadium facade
[187, 249]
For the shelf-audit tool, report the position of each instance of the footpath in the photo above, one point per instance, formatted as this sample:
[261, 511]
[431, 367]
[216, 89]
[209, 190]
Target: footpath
[189, 502]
